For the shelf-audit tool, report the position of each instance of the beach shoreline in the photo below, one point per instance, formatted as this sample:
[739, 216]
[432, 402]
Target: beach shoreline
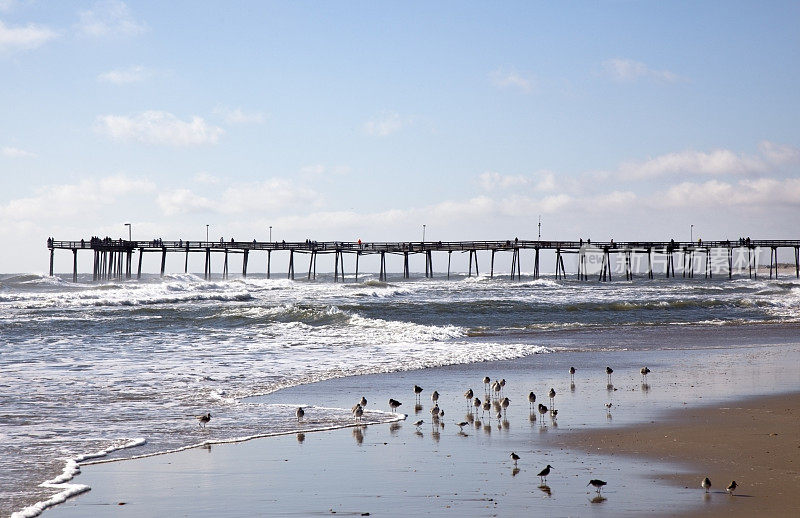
[442, 469]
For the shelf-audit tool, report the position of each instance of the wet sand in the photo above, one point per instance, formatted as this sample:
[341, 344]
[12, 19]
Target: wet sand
[754, 441]
[388, 470]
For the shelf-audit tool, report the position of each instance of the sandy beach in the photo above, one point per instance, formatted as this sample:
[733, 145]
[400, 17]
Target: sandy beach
[387, 470]
[754, 441]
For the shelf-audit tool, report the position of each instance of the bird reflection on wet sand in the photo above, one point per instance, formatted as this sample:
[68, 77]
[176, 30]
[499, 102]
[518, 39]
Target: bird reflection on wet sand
[544, 488]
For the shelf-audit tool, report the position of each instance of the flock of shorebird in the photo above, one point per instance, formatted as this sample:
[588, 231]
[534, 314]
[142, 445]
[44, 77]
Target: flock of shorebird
[494, 401]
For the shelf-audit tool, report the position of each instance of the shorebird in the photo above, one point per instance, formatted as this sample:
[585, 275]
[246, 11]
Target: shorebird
[203, 419]
[645, 371]
[609, 370]
[531, 400]
[486, 407]
[363, 402]
[358, 413]
[706, 484]
[299, 413]
[542, 409]
[435, 396]
[505, 402]
[441, 414]
[731, 487]
[543, 474]
[496, 387]
[393, 404]
[461, 425]
[502, 385]
[468, 396]
[552, 395]
[435, 412]
[597, 484]
[476, 403]
[418, 423]
[572, 374]
[486, 381]
[514, 457]
[417, 391]
[499, 416]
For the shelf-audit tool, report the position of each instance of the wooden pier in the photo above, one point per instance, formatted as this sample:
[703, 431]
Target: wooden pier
[113, 258]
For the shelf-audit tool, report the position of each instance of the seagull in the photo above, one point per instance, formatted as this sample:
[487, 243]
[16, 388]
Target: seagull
[461, 425]
[435, 396]
[597, 484]
[552, 395]
[417, 391]
[543, 474]
[572, 373]
[514, 457]
[299, 413]
[609, 370]
[393, 404]
[203, 419]
[363, 402]
[486, 381]
[706, 484]
[731, 487]
[418, 423]
[645, 371]
[531, 399]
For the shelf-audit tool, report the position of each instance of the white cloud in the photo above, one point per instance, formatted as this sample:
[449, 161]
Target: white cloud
[237, 116]
[511, 79]
[206, 178]
[716, 162]
[121, 76]
[383, 125]
[779, 154]
[24, 38]
[71, 200]
[762, 192]
[244, 198]
[542, 181]
[107, 18]
[13, 152]
[628, 70]
[157, 127]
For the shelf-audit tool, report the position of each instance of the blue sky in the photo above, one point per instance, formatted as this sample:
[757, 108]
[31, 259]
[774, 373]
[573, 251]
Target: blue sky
[347, 120]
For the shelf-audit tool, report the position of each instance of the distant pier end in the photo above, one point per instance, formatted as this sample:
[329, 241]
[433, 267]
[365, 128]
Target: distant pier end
[113, 258]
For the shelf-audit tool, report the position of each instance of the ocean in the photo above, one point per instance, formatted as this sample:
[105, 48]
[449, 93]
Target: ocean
[120, 369]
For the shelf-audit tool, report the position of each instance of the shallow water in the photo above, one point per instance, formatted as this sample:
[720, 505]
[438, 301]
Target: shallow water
[89, 366]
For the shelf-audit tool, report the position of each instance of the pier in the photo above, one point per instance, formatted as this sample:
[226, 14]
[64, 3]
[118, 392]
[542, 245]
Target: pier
[114, 258]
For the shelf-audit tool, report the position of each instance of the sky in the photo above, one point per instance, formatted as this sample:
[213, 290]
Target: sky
[625, 120]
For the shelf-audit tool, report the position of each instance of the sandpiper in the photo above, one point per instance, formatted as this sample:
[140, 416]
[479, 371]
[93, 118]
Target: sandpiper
[531, 399]
[299, 413]
[468, 396]
[731, 487]
[645, 371]
[609, 371]
[496, 387]
[363, 402]
[552, 395]
[486, 407]
[393, 404]
[435, 396]
[461, 425]
[417, 391]
[502, 385]
[572, 373]
[358, 413]
[476, 403]
[706, 484]
[597, 484]
[486, 381]
[543, 474]
[418, 423]
[514, 457]
[203, 419]
[505, 402]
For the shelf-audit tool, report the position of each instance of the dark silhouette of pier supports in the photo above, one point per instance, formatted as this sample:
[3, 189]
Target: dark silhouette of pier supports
[797, 262]
[582, 271]
[515, 266]
[773, 260]
[560, 271]
[139, 269]
[269, 260]
[628, 268]
[428, 264]
[536, 263]
[605, 267]
[473, 253]
[382, 274]
[245, 259]
[207, 270]
[290, 273]
[449, 256]
[709, 272]
[74, 265]
[649, 263]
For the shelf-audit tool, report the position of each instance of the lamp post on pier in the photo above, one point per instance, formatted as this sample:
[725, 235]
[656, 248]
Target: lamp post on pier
[270, 233]
[206, 233]
[691, 233]
[130, 232]
[423, 232]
